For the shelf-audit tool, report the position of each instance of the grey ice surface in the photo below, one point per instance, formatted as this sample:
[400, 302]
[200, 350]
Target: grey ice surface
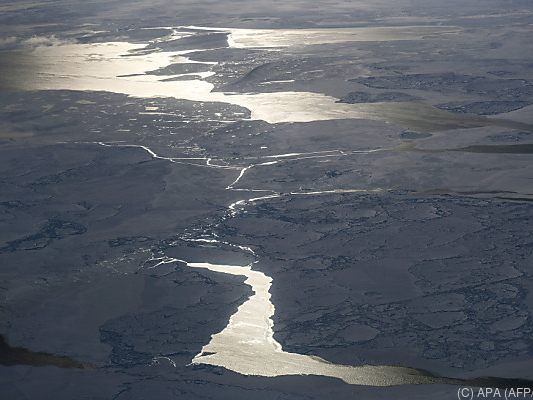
[363, 97]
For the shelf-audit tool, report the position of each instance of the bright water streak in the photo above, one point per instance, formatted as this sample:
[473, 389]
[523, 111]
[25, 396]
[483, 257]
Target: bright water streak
[120, 67]
[277, 38]
[247, 344]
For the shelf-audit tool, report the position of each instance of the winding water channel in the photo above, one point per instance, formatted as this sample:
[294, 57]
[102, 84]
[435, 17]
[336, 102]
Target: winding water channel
[122, 67]
[246, 345]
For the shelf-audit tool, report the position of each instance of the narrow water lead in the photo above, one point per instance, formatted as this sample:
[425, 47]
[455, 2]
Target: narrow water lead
[247, 346]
